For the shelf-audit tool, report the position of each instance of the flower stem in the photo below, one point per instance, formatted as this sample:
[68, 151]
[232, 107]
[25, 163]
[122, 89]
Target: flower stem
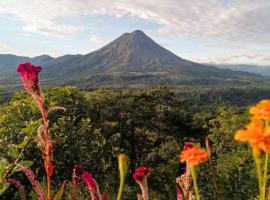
[259, 174]
[194, 177]
[48, 147]
[265, 175]
[122, 181]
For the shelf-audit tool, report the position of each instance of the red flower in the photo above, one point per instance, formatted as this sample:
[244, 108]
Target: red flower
[92, 185]
[140, 176]
[51, 169]
[188, 145]
[29, 76]
[140, 173]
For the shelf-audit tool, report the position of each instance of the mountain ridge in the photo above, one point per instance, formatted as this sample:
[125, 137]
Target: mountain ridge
[132, 58]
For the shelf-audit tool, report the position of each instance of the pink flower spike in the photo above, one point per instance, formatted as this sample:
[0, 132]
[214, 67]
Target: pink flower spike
[19, 186]
[92, 185]
[29, 76]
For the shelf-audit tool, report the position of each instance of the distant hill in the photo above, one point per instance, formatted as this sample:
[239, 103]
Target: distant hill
[132, 60]
[262, 70]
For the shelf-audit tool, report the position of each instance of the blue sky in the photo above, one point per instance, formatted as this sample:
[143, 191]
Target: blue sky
[216, 31]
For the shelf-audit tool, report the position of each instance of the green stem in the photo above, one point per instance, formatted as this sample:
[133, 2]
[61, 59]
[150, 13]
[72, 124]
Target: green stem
[122, 181]
[194, 177]
[265, 175]
[258, 167]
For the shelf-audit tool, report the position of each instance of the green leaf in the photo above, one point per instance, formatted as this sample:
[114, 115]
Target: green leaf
[13, 150]
[3, 187]
[23, 143]
[60, 192]
[4, 166]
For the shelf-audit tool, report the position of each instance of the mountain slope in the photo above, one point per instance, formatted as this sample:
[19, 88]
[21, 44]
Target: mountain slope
[136, 53]
[132, 60]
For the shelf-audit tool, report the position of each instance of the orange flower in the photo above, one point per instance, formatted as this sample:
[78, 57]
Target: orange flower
[256, 134]
[261, 110]
[193, 156]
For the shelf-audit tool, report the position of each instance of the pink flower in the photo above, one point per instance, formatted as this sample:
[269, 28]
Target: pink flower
[29, 76]
[32, 178]
[140, 173]
[92, 185]
[140, 177]
[19, 186]
[188, 145]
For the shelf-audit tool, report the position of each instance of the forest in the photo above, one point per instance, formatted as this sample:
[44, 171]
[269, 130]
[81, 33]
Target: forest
[149, 126]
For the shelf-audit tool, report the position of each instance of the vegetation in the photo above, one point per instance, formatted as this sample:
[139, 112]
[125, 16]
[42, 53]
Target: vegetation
[149, 127]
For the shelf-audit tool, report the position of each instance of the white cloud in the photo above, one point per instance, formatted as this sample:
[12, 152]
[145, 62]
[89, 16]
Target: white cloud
[246, 20]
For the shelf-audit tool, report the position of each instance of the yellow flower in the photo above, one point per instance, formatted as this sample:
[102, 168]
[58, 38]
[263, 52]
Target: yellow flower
[193, 156]
[256, 134]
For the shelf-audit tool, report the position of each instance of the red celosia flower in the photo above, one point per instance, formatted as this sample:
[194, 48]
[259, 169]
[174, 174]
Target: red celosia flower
[140, 176]
[188, 145]
[140, 173]
[29, 76]
[19, 186]
[92, 185]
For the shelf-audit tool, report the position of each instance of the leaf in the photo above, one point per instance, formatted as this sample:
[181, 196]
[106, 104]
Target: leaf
[13, 150]
[3, 187]
[4, 165]
[23, 143]
[60, 192]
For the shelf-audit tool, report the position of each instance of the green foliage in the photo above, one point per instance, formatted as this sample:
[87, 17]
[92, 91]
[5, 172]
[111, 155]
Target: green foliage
[233, 165]
[149, 126]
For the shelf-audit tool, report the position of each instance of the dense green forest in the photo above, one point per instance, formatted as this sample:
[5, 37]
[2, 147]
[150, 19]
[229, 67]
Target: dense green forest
[150, 126]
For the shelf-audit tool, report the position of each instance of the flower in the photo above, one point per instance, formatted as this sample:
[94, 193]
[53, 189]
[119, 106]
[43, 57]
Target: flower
[122, 164]
[92, 185]
[188, 145]
[32, 178]
[261, 110]
[140, 176]
[29, 76]
[256, 134]
[193, 156]
[140, 173]
[19, 186]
